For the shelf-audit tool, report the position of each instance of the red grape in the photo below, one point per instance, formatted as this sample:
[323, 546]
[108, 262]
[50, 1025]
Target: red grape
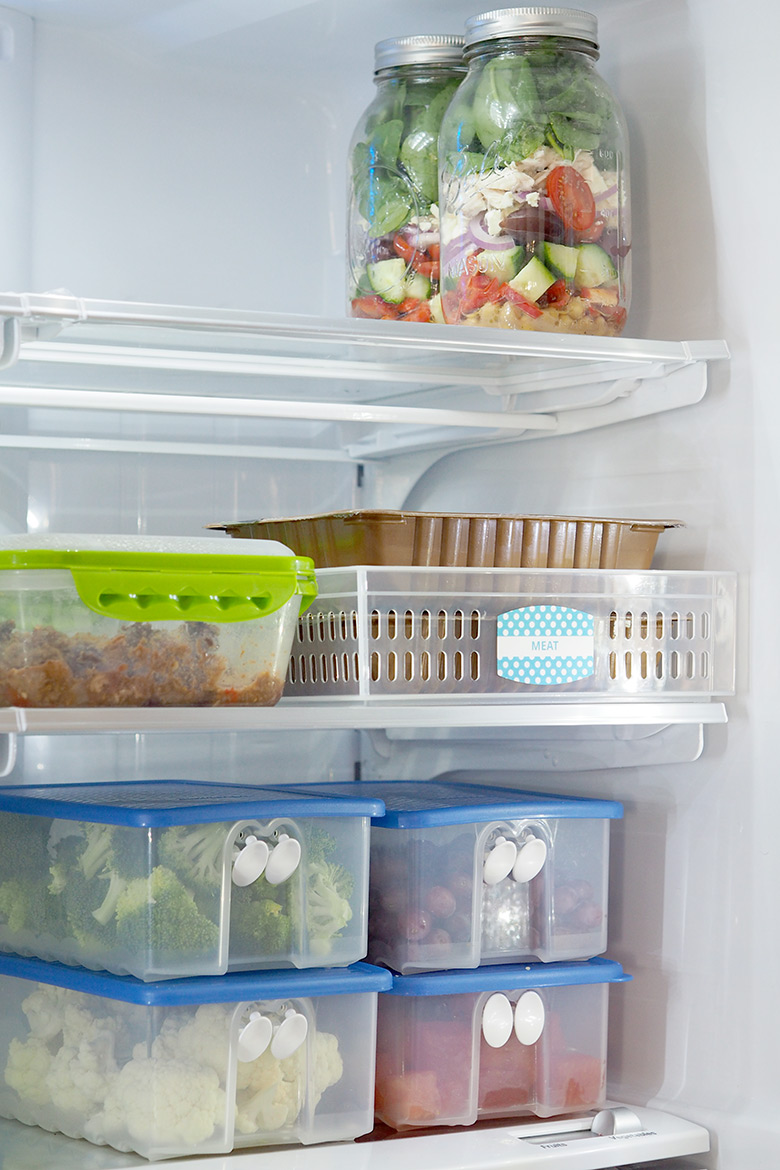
[440, 901]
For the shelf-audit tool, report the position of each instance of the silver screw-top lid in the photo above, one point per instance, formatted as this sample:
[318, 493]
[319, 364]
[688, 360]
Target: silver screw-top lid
[438, 49]
[539, 22]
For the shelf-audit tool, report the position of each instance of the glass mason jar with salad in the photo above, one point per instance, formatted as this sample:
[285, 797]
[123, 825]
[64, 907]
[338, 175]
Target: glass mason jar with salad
[393, 222]
[535, 228]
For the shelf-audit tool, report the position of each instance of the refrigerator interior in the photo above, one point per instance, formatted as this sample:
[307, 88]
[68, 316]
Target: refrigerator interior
[193, 153]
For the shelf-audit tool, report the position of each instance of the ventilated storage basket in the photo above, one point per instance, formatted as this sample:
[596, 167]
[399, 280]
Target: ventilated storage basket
[199, 1066]
[419, 633]
[121, 621]
[456, 1046]
[170, 878]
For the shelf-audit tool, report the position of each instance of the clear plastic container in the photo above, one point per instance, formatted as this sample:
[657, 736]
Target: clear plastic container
[198, 1066]
[393, 220]
[120, 621]
[535, 220]
[454, 1047]
[462, 634]
[171, 878]
[467, 875]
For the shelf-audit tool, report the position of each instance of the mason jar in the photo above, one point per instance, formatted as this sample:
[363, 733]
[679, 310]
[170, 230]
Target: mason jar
[535, 227]
[393, 219]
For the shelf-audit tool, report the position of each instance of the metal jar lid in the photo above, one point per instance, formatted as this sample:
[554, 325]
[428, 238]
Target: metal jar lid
[437, 49]
[539, 22]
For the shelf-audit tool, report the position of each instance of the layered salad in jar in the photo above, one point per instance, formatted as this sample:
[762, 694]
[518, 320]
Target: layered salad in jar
[394, 238]
[534, 199]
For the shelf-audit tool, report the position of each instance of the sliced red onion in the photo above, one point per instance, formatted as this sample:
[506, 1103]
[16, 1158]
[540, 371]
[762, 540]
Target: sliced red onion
[480, 235]
[418, 239]
[602, 195]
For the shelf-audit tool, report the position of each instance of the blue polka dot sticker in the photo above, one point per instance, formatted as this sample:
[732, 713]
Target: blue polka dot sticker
[545, 645]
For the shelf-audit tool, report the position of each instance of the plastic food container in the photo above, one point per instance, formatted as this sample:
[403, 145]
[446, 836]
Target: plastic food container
[479, 540]
[461, 634]
[464, 875]
[166, 878]
[199, 1066]
[456, 1046]
[146, 622]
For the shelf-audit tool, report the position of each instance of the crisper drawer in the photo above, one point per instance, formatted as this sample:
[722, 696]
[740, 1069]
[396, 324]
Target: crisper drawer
[422, 633]
[172, 878]
[190, 1067]
[458, 1046]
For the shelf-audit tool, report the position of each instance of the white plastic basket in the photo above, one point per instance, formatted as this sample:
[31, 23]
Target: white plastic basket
[417, 633]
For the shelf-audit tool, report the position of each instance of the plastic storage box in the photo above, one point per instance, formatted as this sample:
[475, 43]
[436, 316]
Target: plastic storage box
[464, 875]
[477, 539]
[147, 622]
[169, 878]
[464, 634]
[189, 1067]
[456, 1046]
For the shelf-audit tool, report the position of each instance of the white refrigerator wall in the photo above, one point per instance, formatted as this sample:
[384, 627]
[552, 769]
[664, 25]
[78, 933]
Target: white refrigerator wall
[194, 153]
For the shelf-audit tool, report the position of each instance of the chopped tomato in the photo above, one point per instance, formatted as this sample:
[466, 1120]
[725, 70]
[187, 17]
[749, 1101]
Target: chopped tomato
[476, 289]
[571, 198]
[434, 251]
[373, 306]
[423, 262]
[411, 1098]
[516, 298]
[417, 311]
[556, 296]
[591, 234]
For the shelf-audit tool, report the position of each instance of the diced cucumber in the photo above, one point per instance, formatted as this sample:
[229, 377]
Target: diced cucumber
[532, 280]
[417, 286]
[388, 278]
[437, 313]
[503, 265]
[594, 267]
[562, 259]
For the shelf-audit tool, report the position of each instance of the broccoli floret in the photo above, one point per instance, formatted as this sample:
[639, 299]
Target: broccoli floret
[328, 890]
[25, 839]
[97, 852]
[319, 844]
[196, 853]
[89, 921]
[158, 913]
[17, 900]
[258, 925]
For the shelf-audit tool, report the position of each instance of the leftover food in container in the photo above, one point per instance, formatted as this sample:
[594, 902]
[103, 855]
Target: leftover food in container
[454, 1047]
[199, 1066]
[169, 878]
[147, 622]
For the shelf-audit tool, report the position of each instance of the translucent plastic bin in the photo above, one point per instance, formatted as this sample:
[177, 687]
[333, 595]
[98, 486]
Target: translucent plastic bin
[464, 875]
[199, 1066]
[452, 634]
[456, 1046]
[120, 621]
[170, 878]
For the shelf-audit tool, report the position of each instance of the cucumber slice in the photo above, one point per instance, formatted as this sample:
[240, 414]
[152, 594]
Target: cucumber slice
[594, 267]
[417, 285]
[532, 280]
[562, 259]
[388, 278]
[502, 265]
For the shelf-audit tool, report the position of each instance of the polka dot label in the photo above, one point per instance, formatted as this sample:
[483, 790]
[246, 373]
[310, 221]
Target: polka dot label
[545, 645]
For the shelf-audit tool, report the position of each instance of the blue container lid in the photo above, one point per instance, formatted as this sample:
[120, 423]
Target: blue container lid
[510, 977]
[412, 805]
[147, 803]
[234, 987]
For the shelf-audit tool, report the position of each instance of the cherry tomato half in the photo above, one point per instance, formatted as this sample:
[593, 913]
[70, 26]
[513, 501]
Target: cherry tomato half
[572, 198]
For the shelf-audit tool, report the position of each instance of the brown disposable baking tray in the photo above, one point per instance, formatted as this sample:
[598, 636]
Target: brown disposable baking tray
[469, 540]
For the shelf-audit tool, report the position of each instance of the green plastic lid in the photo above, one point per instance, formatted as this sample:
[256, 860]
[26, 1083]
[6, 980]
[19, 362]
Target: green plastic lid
[154, 579]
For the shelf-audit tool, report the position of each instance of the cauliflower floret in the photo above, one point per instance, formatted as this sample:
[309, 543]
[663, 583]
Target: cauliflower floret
[80, 1075]
[270, 1094]
[26, 1069]
[160, 1102]
[328, 1065]
[45, 1008]
[204, 1038]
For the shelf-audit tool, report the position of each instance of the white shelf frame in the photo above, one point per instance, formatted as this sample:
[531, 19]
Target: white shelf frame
[381, 388]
